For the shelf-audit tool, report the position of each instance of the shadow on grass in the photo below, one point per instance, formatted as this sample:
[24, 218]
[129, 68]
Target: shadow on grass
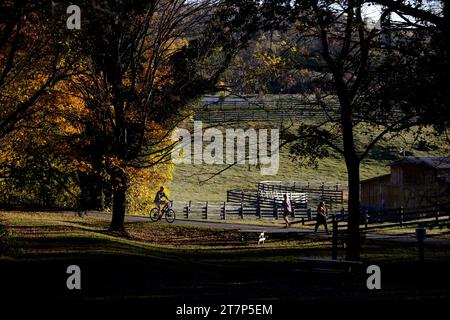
[120, 268]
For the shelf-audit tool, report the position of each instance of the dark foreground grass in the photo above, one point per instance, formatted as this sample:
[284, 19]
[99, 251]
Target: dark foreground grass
[162, 262]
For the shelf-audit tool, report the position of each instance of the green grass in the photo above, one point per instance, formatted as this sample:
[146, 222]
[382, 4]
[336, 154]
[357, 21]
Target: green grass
[53, 233]
[7, 243]
[42, 234]
[198, 183]
[440, 232]
[161, 261]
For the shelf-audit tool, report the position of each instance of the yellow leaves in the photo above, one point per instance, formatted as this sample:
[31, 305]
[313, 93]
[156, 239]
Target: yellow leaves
[163, 78]
[143, 185]
[178, 43]
[112, 163]
[272, 62]
[7, 157]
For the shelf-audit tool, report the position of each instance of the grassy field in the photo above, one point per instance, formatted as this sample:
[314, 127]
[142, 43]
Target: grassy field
[199, 182]
[162, 262]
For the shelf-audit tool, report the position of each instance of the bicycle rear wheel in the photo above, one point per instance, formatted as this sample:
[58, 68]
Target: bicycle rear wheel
[170, 216]
[154, 214]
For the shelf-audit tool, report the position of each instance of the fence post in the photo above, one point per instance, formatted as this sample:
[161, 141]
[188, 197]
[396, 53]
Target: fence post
[224, 210]
[275, 209]
[258, 210]
[401, 216]
[188, 209]
[421, 235]
[293, 210]
[437, 212]
[322, 191]
[206, 211]
[334, 243]
[308, 213]
[366, 218]
[242, 211]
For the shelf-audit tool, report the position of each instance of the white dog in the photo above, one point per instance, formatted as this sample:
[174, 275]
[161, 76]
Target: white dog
[262, 238]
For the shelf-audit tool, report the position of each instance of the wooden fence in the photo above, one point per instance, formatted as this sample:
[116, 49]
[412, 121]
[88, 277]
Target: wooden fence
[369, 220]
[235, 109]
[232, 210]
[251, 196]
[402, 216]
[212, 116]
[331, 194]
[254, 103]
[252, 108]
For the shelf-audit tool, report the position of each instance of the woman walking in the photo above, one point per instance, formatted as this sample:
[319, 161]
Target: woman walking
[287, 210]
[321, 217]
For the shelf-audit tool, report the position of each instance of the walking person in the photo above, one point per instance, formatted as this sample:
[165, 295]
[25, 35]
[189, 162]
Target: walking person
[287, 210]
[321, 217]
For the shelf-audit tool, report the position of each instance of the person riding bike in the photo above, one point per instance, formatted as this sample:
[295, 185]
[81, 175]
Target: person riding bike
[159, 198]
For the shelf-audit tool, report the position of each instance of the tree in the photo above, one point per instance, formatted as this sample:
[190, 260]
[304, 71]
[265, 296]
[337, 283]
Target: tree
[27, 36]
[366, 75]
[145, 64]
[433, 18]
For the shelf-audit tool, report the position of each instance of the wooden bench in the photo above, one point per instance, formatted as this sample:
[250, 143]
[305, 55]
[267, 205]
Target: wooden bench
[259, 235]
[318, 265]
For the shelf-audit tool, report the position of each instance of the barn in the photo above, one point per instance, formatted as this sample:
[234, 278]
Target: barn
[414, 182]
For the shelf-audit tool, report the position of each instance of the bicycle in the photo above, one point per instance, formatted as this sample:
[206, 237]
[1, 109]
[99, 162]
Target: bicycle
[166, 211]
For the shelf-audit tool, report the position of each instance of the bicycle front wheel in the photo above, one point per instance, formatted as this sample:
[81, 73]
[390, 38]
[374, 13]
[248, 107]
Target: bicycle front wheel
[170, 216]
[154, 214]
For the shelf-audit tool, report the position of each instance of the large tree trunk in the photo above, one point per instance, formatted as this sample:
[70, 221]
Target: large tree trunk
[119, 208]
[119, 203]
[91, 197]
[446, 10]
[353, 239]
[119, 176]
[352, 162]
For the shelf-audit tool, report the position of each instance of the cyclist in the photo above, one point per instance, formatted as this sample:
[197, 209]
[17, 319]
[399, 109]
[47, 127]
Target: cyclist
[159, 198]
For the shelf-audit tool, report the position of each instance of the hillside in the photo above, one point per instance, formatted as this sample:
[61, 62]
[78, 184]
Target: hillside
[202, 182]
